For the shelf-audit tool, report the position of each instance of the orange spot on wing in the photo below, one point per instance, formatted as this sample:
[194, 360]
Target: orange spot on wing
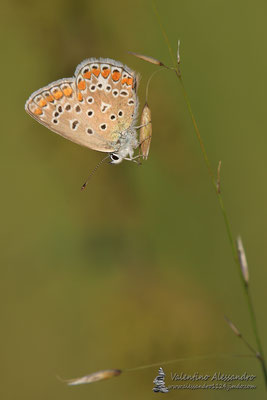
[67, 91]
[125, 80]
[80, 97]
[130, 81]
[81, 85]
[96, 71]
[42, 103]
[57, 94]
[116, 76]
[105, 73]
[38, 111]
[49, 98]
[87, 75]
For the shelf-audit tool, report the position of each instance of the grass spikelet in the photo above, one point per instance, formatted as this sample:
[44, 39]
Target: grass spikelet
[149, 59]
[145, 131]
[94, 377]
[242, 260]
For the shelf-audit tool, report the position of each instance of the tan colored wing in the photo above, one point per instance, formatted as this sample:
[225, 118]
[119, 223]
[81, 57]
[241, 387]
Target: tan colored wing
[61, 109]
[113, 89]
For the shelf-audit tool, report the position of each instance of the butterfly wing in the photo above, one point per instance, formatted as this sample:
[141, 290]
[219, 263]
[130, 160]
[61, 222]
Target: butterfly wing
[59, 108]
[92, 109]
[113, 87]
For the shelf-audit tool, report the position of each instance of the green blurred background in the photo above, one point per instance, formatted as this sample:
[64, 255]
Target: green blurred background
[137, 269]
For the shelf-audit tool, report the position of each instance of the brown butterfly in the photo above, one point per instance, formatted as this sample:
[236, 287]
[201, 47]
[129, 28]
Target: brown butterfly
[97, 108]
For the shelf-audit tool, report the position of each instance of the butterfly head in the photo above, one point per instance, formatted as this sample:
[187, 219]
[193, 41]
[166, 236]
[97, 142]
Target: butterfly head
[115, 158]
[125, 148]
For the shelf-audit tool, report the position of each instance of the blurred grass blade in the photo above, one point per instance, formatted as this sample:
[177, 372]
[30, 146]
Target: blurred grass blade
[219, 177]
[94, 377]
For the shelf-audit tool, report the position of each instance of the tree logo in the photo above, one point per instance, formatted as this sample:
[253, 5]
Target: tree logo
[159, 383]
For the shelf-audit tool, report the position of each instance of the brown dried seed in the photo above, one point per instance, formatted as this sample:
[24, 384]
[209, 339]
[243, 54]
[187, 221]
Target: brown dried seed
[145, 131]
[148, 59]
[178, 53]
[233, 327]
[94, 377]
[242, 259]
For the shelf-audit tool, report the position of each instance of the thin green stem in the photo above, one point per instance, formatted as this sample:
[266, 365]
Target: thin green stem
[248, 297]
[183, 359]
[163, 31]
[196, 129]
[229, 232]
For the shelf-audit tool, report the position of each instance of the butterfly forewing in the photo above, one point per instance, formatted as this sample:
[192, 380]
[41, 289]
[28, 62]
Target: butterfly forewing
[113, 88]
[92, 109]
[57, 107]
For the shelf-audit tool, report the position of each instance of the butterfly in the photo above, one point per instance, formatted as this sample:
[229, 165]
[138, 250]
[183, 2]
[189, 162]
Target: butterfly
[97, 108]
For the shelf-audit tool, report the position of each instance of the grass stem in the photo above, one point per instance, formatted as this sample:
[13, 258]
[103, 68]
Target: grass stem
[176, 68]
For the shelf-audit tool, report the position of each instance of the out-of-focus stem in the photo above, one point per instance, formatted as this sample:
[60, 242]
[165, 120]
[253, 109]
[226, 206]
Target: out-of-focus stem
[176, 68]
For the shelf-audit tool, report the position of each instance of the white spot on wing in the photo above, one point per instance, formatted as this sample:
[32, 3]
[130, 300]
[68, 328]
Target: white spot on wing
[105, 107]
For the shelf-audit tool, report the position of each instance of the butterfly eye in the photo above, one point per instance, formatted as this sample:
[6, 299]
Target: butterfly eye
[115, 159]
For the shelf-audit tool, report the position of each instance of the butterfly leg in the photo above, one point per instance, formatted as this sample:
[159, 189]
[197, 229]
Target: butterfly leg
[134, 159]
[142, 126]
[142, 141]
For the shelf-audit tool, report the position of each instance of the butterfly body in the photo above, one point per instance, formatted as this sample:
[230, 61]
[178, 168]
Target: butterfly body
[96, 108]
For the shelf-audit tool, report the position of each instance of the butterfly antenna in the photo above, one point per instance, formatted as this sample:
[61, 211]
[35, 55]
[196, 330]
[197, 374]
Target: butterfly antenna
[92, 172]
